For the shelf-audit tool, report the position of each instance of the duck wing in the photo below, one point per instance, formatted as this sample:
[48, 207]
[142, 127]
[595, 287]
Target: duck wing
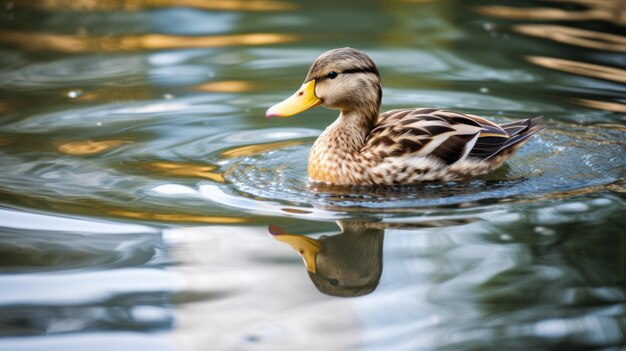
[442, 134]
[518, 132]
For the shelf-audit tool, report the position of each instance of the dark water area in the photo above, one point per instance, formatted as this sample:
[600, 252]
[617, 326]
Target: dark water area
[147, 204]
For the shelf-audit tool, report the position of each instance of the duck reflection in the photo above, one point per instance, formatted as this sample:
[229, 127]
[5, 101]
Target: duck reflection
[348, 264]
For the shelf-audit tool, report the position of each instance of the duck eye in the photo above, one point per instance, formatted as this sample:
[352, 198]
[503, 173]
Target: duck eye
[332, 74]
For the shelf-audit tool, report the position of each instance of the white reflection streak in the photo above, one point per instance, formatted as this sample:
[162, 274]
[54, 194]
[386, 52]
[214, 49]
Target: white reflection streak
[85, 287]
[103, 341]
[32, 221]
[215, 194]
[174, 189]
[154, 108]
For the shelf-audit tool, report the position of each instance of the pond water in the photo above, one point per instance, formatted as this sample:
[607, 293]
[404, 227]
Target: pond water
[147, 204]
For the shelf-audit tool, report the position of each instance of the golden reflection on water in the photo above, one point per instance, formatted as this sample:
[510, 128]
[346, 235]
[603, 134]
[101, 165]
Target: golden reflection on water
[607, 10]
[77, 43]
[618, 187]
[169, 217]
[575, 36]
[257, 149]
[134, 5]
[6, 141]
[580, 68]
[184, 170]
[89, 147]
[602, 105]
[229, 86]
[93, 207]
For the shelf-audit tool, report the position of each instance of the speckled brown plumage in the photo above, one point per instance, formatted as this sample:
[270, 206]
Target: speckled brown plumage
[400, 146]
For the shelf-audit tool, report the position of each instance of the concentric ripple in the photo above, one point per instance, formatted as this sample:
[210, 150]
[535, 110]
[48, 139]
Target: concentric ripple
[563, 159]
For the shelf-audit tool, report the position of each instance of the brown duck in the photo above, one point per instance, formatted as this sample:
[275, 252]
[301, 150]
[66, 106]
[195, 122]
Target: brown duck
[405, 146]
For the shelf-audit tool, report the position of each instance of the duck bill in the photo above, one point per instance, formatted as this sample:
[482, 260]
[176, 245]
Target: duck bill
[307, 248]
[302, 100]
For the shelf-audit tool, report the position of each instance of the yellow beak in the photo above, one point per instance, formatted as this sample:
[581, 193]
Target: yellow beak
[307, 248]
[302, 100]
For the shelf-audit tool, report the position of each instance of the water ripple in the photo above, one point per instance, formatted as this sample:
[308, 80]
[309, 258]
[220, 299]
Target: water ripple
[536, 171]
[122, 113]
[115, 71]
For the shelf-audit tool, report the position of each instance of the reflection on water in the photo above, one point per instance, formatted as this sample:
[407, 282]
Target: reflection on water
[184, 169]
[347, 264]
[602, 105]
[431, 274]
[78, 44]
[350, 263]
[233, 86]
[89, 147]
[170, 217]
[139, 177]
[575, 36]
[607, 40]
[581, 68]
[608, 10]
[542, 273]
[135, 5]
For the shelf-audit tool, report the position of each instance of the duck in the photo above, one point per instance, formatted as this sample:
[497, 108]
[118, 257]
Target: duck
[398, 147]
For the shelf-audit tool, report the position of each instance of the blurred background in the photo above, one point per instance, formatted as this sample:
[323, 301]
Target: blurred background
[147, 204]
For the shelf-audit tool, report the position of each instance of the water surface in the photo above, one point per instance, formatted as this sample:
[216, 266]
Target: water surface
[146, 203]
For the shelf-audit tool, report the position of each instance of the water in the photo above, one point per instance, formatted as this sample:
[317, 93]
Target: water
[147, 204]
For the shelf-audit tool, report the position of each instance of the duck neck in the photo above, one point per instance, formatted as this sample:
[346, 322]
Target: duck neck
[346, 136]
[338, 148]
[335, 155]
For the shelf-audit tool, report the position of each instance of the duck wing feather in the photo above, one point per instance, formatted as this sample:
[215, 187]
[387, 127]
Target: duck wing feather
[445, 135]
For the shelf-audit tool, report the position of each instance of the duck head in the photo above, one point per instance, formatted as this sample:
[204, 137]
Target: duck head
[345, 79]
